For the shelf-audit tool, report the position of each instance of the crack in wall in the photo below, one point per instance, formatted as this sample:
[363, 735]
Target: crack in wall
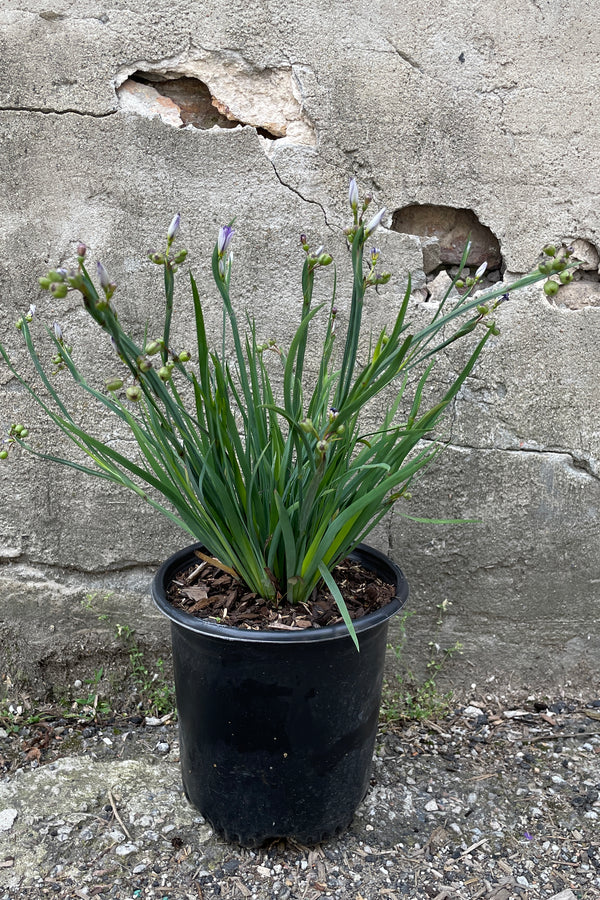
[58, 112]
[304, 199]
[407, 58]
[22, 565]
[577, 462]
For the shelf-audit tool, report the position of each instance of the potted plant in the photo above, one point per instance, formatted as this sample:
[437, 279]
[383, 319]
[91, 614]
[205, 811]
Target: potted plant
[278, 612]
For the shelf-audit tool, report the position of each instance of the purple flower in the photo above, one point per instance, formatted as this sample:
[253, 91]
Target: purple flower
[225, 238]
[374, 224]
[103, 276]
[353, 195]
[57, 331]
[173, 227]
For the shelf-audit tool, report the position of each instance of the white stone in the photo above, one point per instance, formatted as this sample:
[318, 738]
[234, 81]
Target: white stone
[441, 285]
[472, 712]
[126, 849]
[7, 819]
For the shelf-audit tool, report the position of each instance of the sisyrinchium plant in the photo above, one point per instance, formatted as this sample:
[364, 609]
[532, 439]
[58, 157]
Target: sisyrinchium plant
[280, 485]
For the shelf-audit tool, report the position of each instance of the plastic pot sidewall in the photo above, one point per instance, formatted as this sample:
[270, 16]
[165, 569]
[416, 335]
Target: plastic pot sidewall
[277, 729]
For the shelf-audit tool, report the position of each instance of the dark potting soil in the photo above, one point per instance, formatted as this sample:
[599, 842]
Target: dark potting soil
[208, 592]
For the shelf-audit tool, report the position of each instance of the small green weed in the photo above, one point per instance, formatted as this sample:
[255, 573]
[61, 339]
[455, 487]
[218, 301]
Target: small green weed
[406, 697]
[155, 689]
[91, 598]
[93, 702]
[13, 716]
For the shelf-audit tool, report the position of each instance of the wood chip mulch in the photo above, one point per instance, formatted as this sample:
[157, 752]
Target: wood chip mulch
[208, 592]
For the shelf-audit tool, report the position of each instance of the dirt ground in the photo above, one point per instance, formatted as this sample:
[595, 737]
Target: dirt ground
[496, 799]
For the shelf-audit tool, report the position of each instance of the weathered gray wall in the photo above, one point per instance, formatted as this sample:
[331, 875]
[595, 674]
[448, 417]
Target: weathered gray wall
[423, 103]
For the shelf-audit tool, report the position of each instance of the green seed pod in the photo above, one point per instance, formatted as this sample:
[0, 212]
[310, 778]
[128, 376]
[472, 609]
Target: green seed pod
[459, 284]
[179, 258]
[133, 393]
[101, 305]
[153, 347]
[114, 384]
[24, 432]
[558, 265]
[551, 288]
[59, 290]
[44, 283]
[307, 426]
[544, 268]
[566, 277]
[549, 250]
[483, 310]
[494, 328]
[164, 373]
[470, 282]
[19, 324]
[55, 277]
[3, 454]
[325, 259]
[144, 364]
[340, 429]
[184, 357]
[18, 428]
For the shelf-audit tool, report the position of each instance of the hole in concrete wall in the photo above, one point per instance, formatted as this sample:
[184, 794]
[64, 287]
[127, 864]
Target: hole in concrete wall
[195, 104]
[218, 89]
[444, 232]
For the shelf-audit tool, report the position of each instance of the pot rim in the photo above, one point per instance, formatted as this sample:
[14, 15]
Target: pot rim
[366, 555]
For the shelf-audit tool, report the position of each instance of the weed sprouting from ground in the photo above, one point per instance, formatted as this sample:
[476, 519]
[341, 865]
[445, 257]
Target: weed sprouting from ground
[406, 697]
[154, 688]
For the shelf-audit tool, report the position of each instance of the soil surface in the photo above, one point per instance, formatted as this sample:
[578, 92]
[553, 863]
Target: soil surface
[498, 800]
[208, 592]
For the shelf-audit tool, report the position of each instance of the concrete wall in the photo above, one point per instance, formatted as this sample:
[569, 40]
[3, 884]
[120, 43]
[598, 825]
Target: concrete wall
[495, 113]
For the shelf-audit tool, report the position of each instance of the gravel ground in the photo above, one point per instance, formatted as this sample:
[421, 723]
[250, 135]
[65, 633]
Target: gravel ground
[498, 800]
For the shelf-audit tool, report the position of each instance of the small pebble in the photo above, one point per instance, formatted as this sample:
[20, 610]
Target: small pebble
[472, 712]
[126, 849]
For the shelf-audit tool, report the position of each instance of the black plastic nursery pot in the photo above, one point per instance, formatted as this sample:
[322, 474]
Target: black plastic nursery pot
[277, 729]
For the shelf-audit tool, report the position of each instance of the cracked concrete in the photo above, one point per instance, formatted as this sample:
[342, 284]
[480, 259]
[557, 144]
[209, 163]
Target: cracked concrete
[425, 106]
[56, 112]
